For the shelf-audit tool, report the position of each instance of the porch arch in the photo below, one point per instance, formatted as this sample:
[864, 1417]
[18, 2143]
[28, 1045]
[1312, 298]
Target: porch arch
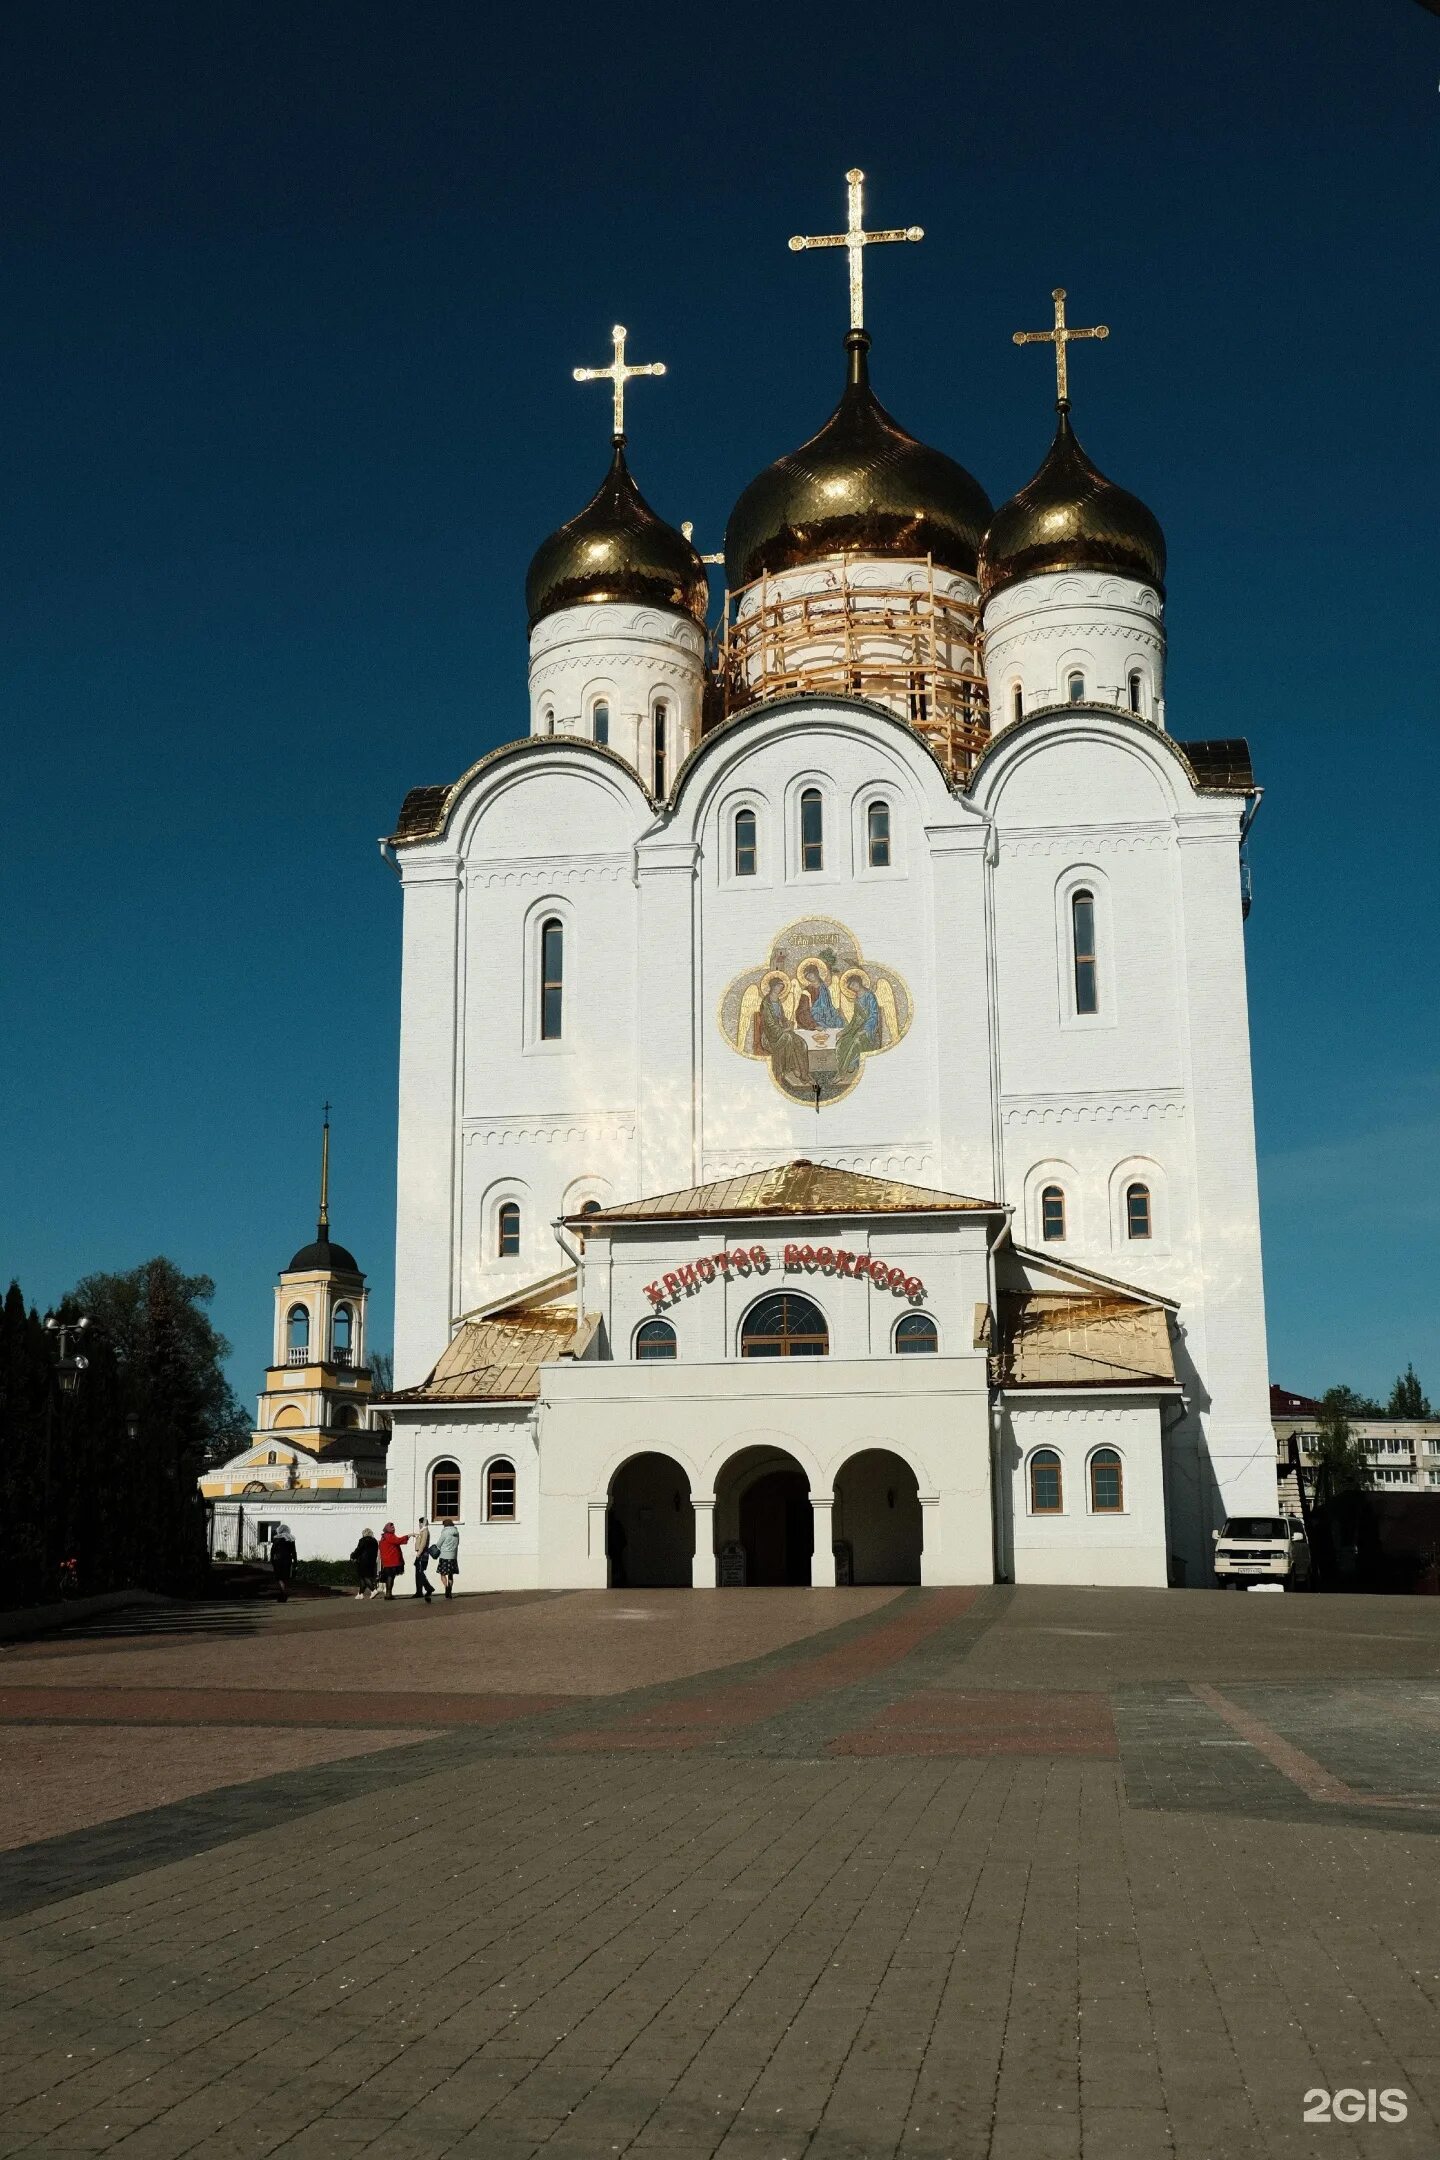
[878, 1515]
[762, 1501]
[650, 1525]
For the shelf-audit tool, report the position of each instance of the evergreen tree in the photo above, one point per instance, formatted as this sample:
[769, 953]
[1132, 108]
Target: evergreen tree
[1343, 1402]
[1341, 1462]
[1407, 1398]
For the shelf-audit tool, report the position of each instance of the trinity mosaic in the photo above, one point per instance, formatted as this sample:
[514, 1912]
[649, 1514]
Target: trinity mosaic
[815, 1011]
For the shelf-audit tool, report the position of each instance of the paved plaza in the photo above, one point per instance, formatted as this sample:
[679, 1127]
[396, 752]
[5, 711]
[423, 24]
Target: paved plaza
[768, 1873]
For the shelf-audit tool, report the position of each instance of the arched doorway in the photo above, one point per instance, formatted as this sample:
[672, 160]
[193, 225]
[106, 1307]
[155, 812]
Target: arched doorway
[878, 1515]
[762, 1500]
[650, 1525]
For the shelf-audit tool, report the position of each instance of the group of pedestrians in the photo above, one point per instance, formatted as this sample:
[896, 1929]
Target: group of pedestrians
[380, 1562]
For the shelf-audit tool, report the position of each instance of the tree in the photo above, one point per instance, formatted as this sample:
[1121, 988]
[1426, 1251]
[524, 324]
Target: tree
[1341, 1462]
[382, 1371]
[1407, 1397]
[1343, 1402]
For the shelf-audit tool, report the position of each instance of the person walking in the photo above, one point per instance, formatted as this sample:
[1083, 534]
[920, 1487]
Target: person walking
[423, 1587]
[392, 1557]
[447, 1554]
[282, 1559]
[366, 1557]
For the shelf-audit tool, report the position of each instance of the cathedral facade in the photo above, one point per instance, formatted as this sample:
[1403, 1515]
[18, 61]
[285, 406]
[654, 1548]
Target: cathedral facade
[826, 1139]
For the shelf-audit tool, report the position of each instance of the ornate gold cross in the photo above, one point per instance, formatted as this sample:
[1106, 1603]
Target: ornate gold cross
[855, 240]
[1060, 337]
[619, 374]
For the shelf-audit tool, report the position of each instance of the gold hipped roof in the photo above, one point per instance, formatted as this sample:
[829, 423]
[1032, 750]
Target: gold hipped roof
[498, 1359]
[861, 486]
[1058, 1339]
[794, 1188]
[1070, 517]
[616, 548]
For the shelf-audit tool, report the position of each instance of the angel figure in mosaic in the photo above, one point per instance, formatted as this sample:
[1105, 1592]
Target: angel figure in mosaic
[766, 1028]
[872, 1021]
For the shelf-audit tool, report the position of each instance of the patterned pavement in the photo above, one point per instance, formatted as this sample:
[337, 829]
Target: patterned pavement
[1013, 1873]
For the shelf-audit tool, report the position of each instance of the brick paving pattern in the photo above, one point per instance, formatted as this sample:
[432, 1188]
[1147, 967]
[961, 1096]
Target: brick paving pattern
[752, 1875]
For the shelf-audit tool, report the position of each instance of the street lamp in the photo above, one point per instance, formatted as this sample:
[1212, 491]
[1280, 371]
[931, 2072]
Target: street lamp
[70, 1364]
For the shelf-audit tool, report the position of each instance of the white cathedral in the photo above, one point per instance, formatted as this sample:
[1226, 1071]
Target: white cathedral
[826, 1139]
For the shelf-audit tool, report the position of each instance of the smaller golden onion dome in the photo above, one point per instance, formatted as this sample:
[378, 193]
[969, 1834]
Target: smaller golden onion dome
[1070, 517]
[861, 486]
[616, 549]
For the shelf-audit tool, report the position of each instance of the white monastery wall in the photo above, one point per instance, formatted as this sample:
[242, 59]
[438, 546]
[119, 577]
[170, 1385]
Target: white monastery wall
[1078, 1545]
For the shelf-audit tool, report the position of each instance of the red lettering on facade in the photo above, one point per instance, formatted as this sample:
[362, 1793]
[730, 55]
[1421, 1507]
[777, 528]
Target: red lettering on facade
[672, 1284]
[655, 1294]
[706, 1270]
[760, 1257]
[689, 1280]
[824, 1256]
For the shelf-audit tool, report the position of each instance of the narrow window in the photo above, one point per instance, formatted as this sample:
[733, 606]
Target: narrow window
[1046, 1495]
[552, 981]
[812, 830]
[507, 1243]
[549, 722]
[500, 1492]
[747, 853]
[919, 700]
[590, 1207]
[444, 1491]
[877, 833]
[1017, 703]
[916, 1334]
[1107, 1482]
[1076, 689]
[1087, 969]
[655, 1339]
[662, 747]
[297, 1332]
[342, 1329]
[1135, 692]
[600, 721]
[1137, 1211]
[1052, 1214]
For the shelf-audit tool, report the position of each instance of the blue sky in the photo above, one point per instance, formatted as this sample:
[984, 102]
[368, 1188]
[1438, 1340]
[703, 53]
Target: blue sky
[289, 296]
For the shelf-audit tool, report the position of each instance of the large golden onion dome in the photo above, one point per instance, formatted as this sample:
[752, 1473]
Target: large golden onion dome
[1070, 517]
[861, 486]
[616, 548]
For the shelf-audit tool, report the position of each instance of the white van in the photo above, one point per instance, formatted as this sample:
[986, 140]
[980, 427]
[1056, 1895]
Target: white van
[1262, 1549]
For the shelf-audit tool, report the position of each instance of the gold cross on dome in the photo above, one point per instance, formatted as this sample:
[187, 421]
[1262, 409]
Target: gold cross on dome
[1060, 337]
[619, 374]
[855, 240]
[688, 528]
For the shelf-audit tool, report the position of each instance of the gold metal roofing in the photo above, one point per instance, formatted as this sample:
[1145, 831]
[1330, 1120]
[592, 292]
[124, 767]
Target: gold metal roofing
[499, 1360]
[1070, 517]
[863, 486]
[1051, 1339]
[616, 548]
[794, 1188]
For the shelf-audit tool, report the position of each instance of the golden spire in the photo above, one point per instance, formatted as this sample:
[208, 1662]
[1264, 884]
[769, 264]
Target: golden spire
[855, 240]
[322, 1232]
[1060, 337]
[619, 374]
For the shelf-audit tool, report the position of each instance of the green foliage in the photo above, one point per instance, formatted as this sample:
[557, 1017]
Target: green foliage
[1343, 1402]
[1407, 1398]
[98, 1488]
[1341, 1463]
[327, 1574]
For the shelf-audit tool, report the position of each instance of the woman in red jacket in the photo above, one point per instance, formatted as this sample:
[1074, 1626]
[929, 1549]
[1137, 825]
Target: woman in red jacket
[392, 1559]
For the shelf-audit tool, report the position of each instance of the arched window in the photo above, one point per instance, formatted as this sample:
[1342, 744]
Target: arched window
[507, 1230]
[1107, 1482]
[1052, 1214]
[1046, 1492]
[444, 1491]
[590, 1207]
[1017, 703]
[916, 1333]
[552, 981]
[877, 835]
[785, 1325]
[500, 1492]
[297, 1331]
[1075, 689]
[1137, 690]
[812, 830]
[347, 1418]
[342, 1331]
[549, 721]
[661, 745]
[747, 850]
[600, 721]
[1137, 1211]
[655, 1339]
[1087, 964]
